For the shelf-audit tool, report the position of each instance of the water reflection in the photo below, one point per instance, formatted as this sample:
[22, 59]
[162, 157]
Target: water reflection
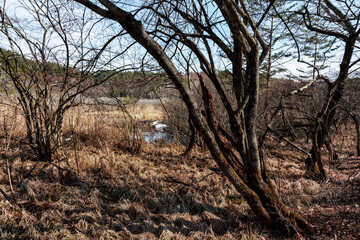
[159, 133]
[155, 137]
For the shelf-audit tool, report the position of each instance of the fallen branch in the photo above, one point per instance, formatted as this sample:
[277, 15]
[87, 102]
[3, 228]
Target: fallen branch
[7, 197]
[174, 180]
[289, 142]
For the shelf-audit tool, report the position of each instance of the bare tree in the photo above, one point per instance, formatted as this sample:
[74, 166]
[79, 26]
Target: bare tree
[340, 20]
[41, 66]
[204, 28]
[337, 23]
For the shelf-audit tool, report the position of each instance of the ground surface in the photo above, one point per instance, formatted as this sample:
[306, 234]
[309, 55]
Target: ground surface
[96, 189]
[332, 206]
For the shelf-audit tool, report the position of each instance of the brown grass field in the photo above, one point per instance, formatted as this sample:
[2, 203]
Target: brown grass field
[96, 189]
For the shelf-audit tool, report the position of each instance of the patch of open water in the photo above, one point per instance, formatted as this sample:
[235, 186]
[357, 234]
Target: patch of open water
[159, 133]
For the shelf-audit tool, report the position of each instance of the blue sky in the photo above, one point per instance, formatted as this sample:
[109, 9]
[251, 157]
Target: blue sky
[135, 53]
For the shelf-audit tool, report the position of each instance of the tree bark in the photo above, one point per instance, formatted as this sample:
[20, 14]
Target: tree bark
[259, 193]
[192, 140]
[325, 117]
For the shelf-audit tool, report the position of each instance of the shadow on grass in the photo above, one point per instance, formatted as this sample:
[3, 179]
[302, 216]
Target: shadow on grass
[62, 200]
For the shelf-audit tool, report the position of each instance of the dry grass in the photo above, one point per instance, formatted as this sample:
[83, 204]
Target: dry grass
[97, 190]
[120, 196]
[332, 206]
[147, 110]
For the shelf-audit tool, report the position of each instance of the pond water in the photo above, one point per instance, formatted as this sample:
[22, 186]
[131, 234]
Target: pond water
[155, 137]
[159, 133]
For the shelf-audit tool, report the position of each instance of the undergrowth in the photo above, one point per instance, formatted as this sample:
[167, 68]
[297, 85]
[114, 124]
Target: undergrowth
[96, 189]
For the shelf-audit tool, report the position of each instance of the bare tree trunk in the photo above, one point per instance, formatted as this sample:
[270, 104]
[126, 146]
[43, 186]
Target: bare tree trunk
[245, 175]
[332, 152]
[325, 118]
[193, 139]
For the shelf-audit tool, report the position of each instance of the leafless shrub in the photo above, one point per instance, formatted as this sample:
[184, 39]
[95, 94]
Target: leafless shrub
[48, 68]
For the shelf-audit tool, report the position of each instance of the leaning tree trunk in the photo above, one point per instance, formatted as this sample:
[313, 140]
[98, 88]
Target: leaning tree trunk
[243, 170]
[192, 141]
[260, 195]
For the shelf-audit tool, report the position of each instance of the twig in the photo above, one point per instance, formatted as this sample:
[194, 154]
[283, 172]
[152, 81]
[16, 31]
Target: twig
[7, 138]
[201, 179]
[10, 178]
[11, 201]
[174, 180]
[289, 142]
